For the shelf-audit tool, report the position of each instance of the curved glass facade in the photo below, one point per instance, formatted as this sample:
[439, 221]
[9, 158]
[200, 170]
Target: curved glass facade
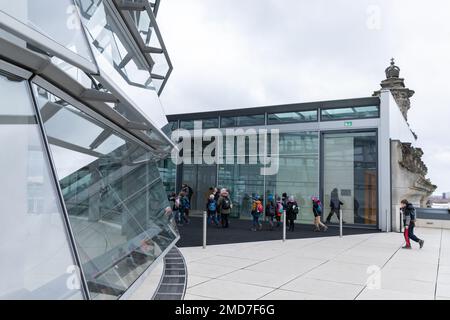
[83, 209]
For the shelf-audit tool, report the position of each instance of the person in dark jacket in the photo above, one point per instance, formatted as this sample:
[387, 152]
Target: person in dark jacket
[224, 206]
[271, 209]
[292, 211]
[317, 211]
[409, 221]
[188, 191]
[335, 205]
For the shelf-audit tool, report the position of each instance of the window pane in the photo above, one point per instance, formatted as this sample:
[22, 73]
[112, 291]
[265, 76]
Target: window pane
[62, 27]
[243, 121]
[114, 196]
[36, 261]
[350, 113]
[289, 117]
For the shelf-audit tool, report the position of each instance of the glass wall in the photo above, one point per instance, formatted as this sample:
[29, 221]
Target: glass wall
[298, 173]
[114, 195]
[350, 175]
[36, 258]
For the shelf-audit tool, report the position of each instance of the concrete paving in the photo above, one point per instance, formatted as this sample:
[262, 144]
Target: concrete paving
[364, 266]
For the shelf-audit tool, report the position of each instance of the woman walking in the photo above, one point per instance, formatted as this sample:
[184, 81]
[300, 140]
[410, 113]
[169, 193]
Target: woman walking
[317, 210]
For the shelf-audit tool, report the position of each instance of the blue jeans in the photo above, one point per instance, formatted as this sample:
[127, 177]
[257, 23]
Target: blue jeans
[255, 216]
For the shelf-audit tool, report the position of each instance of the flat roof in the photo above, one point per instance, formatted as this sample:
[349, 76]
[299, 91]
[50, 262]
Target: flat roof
[355, 102]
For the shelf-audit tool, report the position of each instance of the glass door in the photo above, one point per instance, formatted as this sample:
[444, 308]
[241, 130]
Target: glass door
[349, 177]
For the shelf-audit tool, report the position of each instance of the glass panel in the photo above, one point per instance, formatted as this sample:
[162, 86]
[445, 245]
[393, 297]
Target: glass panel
[114, 196]
[210, 123]
[36, 261]
[108, 42]
[243, 121]
[290, 117]
[298, 173]
[63, 26]
[350, 177]
[350, 113]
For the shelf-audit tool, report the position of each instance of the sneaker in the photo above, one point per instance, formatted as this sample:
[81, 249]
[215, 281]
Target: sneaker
[406, 247]
[421, 242]
[325, 229]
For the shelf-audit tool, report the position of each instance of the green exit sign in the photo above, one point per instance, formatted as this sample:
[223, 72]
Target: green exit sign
[348, 124]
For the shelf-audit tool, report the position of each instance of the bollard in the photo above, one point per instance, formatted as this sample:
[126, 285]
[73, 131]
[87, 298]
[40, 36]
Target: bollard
[340, 223]
[284, 225]
[205, 224]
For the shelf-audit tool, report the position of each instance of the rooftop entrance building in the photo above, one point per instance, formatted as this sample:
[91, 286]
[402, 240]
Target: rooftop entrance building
[345, 148]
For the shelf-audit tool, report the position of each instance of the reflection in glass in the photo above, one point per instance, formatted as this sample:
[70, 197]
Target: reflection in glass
[350, 166]
[350, 113]
[36, 259]
[114, 196]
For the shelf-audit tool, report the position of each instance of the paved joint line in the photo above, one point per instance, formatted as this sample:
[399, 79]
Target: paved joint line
[390, 258]
[439, 261]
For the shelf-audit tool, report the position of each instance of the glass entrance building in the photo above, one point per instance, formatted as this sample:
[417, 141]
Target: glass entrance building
[83, 211]
[324, 149]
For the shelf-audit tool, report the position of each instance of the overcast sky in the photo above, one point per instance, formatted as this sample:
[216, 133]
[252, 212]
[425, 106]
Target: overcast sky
[245, 53]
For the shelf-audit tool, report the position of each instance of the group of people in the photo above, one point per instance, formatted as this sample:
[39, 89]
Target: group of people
[275, 206]
[218, 207]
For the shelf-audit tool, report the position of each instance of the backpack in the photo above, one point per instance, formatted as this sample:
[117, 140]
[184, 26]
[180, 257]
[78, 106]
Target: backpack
[270, 209]
[259, 208]
[225, 203]
[292, 208]
[212, 206]
[279, 209]
[185, 203]
[319, 209]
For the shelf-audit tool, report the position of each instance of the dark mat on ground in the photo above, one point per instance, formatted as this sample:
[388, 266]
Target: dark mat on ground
[239, 231]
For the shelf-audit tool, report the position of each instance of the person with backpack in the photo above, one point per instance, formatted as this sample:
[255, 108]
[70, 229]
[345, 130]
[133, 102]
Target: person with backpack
[292, 211]
[279, 212]
[270, 210]
[257, 211]
[188, 191]
[317, 211]
[224, 207]
[184, 206]
[409, 221]
[211, 208]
